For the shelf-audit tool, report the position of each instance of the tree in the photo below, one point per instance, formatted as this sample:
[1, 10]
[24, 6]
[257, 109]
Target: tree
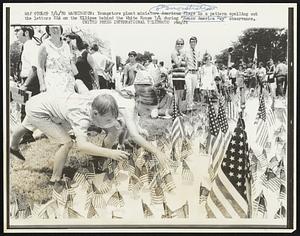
[271, 43]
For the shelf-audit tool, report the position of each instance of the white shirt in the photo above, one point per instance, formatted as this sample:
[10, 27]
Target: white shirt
[190, 58]
[100, 62]
[29, 57]
[233, 73]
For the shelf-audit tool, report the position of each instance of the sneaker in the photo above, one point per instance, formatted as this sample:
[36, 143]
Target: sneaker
[17, 153]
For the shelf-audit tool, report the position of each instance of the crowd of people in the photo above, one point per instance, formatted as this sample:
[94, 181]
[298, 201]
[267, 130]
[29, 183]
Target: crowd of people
[73, 88]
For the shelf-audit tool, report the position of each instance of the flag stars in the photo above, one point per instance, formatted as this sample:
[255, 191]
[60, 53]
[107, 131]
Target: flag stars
[240, 152]
[231, 166]
[232, 158]
[239, 176]
[232, 142]
[224, 163]
[239, 184]
[240, 160]
[241, 143]
[241, 135]
[240, 168]
[231, 174]
[232, 150]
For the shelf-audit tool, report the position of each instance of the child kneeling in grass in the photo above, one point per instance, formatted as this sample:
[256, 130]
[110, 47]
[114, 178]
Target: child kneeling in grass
[55, 115]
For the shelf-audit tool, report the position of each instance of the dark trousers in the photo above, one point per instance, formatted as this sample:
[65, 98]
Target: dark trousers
[104, 84]
[281, 85]
[34, 88]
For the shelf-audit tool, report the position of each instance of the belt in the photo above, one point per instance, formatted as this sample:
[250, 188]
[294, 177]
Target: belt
[193, 71]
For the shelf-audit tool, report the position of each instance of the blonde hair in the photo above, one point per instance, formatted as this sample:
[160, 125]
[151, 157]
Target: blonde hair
[104, 104]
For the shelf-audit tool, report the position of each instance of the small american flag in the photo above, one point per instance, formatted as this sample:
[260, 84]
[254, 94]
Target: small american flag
[270, 180]
[281, 213]
[263, 159]
[203, 194]
[282, 192]
[177, 127]
[187, 175]
[260, 206]
[116, 200]
[69, 213]
[169, 182]
[92, 211]
[168, 213]
[271, 119]
[146, 210]
[157, 195]
[144, 175]
[182, 212]
[135, 184]
[186, 149]
[273, 162]
[89, 196]
[262, 129]
[59, 194]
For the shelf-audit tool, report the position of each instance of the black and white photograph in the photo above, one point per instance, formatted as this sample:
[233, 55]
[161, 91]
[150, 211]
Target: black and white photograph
[149, 117]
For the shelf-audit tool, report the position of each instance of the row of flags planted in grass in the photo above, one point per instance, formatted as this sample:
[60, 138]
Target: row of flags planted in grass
[234, 171]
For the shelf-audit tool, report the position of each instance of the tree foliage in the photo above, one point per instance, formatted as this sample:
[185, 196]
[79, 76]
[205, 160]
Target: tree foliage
[271, 43]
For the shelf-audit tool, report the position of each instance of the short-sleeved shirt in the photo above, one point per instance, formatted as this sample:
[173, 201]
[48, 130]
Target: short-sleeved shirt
[75, 108]
[100, 62]
[29, 57]
[130, 71]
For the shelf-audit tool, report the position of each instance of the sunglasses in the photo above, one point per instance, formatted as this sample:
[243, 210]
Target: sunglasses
[179, 44]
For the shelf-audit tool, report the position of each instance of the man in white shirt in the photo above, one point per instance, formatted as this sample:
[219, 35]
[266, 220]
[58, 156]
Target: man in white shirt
[192, 77]
[281, 72]
[28, 73]
[232, 77]
[103, 67]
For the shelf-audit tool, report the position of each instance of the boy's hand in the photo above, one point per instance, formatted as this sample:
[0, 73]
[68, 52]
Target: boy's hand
[118, 155]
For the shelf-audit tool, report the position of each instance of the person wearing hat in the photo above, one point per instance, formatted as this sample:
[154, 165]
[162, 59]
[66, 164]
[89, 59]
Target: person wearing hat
[131, 69]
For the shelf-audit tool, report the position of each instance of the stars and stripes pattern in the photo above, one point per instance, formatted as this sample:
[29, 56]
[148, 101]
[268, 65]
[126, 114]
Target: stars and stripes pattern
[89, 196]
[282, 192]
[59, 194]
[270, 180]
[168, 213]
[98, 201]
[263, 159]
[134, 185]
[203, 194]
[228, 195]
[146, 210]
[273, 162]
[70, 213]
[260, 206]
[232, 110]
[116, 200]
[271, 119]
[157, 194]
[214, 127]
[182, 212]
[92, 211]
[262, 129]
[186, 149]
[281, 213]
[187, 175]
[169, 181]
[177, 130]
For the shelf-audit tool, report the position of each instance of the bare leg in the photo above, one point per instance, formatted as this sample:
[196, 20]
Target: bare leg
[17, 136]
[60, 160]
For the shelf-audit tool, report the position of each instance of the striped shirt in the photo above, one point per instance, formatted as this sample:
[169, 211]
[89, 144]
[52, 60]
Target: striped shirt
[178, 71]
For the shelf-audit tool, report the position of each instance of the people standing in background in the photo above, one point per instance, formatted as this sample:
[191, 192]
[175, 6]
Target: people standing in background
[192, 77]
[28, 69]
[232, 77]
[85, 63]
[270, 70]
[152, 69]
[281, 78]
[240, 77]
[261, 75]
[103, 67]
[179, 69]
[162, 68]
[208, 73]
[131, 69]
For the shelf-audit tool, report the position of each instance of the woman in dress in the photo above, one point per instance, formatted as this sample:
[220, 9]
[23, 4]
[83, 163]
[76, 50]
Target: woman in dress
[208, 73]
[179, 70]
[85, 63]
[56, 68]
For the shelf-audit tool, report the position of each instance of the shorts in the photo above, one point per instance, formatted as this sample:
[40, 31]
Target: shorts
[178, 84]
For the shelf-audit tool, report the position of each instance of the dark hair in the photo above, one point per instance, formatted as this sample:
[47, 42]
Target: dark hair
[80, 44]
[161, 63]
[47, 29]
[261, 63]
[29, 29]
[193, 38]
[132, 53]
[95, 47]
[104, 104]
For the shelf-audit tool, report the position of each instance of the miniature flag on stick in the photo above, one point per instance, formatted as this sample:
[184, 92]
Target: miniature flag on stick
[270, 180]
[282, 192]
[281, 213]
[92, 211]
[116, 200]
[203, 194]
[182, 212]
[168, 213]
[262, 129]
[146, 210]
[260, 206]
[187, 174]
